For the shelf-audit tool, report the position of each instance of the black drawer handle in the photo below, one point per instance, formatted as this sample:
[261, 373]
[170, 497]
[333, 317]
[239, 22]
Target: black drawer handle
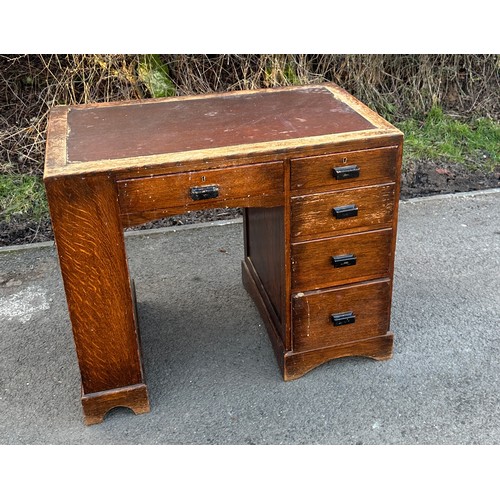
[344, 260]
[347, 172]
[204, 192]
[345, 211]
[345, 318]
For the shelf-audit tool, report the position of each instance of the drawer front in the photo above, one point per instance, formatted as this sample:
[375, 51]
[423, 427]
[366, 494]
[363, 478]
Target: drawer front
[340, 315]
[343, 259]
[337, 171]
[235, 186]
[317, 216]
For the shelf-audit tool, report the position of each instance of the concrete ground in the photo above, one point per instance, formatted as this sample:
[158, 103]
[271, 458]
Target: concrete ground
[209, 365]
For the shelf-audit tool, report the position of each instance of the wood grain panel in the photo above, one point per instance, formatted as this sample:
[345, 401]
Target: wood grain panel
[312, 325]
[312, 266]
[312, 215]
[265, 247]
[89, 239]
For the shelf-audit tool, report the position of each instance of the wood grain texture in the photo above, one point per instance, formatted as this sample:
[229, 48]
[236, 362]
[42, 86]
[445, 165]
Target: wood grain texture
[56, 140]
[312, 215]
[314, 174]
[89, 239]
[295, 364]
[312, 325]
[312, 265]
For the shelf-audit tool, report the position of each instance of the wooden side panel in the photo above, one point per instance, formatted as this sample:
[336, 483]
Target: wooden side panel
[264, 240]
[91, 249]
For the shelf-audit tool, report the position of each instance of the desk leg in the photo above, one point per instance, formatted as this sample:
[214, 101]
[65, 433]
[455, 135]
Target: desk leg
[90, 244]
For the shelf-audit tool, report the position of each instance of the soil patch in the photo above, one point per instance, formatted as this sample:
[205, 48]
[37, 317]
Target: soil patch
[431, 177]
[419, 178]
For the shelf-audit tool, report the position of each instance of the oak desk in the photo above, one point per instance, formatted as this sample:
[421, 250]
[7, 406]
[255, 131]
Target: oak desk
[318, 175]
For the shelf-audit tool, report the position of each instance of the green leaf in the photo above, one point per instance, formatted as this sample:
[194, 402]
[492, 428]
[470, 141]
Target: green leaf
[154, 74]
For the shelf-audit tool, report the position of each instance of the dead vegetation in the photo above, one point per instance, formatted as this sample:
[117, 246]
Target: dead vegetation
[397, 86]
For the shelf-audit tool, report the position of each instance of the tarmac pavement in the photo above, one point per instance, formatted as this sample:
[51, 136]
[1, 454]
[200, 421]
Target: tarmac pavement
[209, 365]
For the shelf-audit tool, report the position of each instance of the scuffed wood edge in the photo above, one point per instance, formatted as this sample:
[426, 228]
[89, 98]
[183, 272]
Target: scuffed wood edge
[57, 133]
[206, 155]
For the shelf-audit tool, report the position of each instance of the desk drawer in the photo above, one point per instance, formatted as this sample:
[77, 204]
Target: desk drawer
[249, 185]
[338, 171]
[343, 259]
[317, 216]
[340, 315]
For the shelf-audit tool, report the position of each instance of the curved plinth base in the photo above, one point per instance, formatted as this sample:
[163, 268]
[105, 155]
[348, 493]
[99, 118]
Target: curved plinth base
[297, 364]
[96, 405]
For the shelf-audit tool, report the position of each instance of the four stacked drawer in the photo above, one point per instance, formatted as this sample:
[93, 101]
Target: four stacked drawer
[342, 246]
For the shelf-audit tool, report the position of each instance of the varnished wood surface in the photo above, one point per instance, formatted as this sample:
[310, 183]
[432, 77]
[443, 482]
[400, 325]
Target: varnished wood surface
[313, 327]
[312, 216]
[314, 174]
[312, 266]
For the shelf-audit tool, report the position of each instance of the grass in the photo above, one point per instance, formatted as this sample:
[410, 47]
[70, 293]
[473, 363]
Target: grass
[22, 195]
[475, 144]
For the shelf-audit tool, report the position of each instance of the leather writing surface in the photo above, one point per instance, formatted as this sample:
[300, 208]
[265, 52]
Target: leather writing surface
[152, 127]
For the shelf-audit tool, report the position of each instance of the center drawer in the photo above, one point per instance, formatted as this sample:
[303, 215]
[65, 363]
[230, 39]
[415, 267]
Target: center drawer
[244, 185]
[340, 315]
[343, 259]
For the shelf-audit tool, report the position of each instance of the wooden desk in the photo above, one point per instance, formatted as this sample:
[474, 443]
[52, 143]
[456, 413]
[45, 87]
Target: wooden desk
[318, 175]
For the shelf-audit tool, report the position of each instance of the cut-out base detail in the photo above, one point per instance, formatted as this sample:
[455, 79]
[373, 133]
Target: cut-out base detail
[298, 364]
[96, 405]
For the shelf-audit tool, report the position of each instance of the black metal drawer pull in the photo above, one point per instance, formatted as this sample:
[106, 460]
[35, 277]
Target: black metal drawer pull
[347, 172]
[344, 260]
[344, 318]
[204, 192]
[345, 211]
